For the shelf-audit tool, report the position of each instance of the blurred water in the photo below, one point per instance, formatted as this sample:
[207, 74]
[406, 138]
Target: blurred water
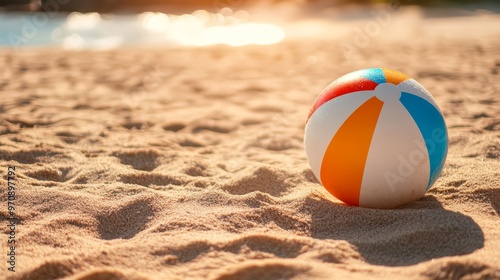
[94, 31]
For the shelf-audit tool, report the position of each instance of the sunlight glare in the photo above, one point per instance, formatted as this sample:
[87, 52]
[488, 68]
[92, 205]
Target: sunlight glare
[241, 35]
[202, 28]
[154, 22]
[78, 21]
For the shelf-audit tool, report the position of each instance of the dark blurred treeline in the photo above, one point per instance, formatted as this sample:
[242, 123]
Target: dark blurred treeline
[189, 5]
[103, 5]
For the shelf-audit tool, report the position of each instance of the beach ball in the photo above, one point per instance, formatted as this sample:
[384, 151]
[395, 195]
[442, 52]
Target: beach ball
[376, 138]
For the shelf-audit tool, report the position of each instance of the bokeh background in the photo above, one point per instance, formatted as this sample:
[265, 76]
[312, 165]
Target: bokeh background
[109, 24]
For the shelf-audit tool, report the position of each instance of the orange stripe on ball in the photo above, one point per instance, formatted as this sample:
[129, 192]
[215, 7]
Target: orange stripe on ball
[394, 77]
[344, 160]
